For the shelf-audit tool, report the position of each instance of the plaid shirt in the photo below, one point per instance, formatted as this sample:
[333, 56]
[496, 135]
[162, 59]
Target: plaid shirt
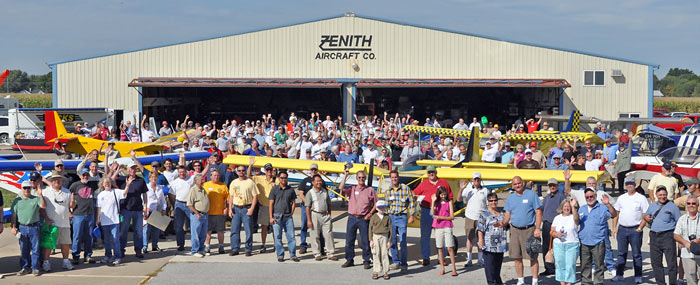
[401, 201]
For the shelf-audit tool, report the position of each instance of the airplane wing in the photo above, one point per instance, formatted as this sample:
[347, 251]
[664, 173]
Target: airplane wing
[436, 131]
[442, 163]
[662, 120]
[170, 141]
[536, 175]
[18, 165]
[299, 164]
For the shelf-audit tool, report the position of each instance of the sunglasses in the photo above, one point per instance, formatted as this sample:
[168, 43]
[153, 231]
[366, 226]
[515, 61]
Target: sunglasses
[590, 197]
[493, 201]
[285, 177]
[691, 203]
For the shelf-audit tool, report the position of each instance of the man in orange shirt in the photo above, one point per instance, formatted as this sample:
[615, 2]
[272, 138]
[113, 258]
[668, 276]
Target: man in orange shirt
[218, 209]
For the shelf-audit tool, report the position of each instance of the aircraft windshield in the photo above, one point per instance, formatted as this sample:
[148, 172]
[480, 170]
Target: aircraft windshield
[649, 144]
[681, 155]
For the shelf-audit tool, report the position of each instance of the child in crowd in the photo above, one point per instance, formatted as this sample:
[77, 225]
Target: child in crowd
[380, 241]
[443, 214]
[108, 217]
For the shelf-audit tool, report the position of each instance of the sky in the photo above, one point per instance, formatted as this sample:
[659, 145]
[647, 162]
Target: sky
[35, 33]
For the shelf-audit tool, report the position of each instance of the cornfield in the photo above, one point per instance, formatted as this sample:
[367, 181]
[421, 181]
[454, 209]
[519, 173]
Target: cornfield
[34, 100]
[678, 104]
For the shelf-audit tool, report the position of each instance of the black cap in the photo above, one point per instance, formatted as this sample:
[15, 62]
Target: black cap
[268, 166]
[35, 176]
[667, 165]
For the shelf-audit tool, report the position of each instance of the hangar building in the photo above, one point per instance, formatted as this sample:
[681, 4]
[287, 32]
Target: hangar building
[350, 64]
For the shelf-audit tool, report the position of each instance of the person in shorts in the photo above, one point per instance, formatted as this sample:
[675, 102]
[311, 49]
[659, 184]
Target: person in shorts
[443, 214]
[264, 183]
[218, 209]
[58, 199]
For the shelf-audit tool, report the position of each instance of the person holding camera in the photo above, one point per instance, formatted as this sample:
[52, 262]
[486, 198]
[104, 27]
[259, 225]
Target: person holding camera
[687, 232]
[663, 217]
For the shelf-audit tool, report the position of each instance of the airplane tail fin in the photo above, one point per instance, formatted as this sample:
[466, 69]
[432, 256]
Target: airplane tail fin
[54, 126]
[574, 122]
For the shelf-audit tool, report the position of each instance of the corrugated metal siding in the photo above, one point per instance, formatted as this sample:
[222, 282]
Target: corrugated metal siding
[401, 52]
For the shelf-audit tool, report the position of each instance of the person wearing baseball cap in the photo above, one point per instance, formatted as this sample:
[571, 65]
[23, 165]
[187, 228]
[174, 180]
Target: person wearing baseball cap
[666, 179]
[693, 185]
[550, 207]
[556, 163]
[58, 168]
[427, 189]
[304, 186]
[380, 228]
[474, 196]
[25, 220]
[628, 229]
[538, 155]
[528, 162]
[58, 199]
[83, 194]
[265, 183]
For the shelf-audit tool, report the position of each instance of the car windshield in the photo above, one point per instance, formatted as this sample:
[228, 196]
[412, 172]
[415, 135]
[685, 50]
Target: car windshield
[680, 155]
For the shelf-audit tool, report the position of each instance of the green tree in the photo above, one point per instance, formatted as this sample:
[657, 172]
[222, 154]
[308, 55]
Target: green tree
[17, 81]
[678, 72]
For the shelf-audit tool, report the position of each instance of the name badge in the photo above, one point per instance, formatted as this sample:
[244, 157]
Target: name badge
[524, 201]
[357, 192]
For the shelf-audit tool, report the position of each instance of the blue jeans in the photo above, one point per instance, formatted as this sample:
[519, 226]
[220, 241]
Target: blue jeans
[240, 216]
[398, 239]
[153, 232]
[609, 259]
[29, 246]
[82, 234]
[287, 225]
[304, 229]
[198, 232]
[629, 237]
[135, 217]
[111, 234]
[182, 213]
[426, 228]
[354, 224]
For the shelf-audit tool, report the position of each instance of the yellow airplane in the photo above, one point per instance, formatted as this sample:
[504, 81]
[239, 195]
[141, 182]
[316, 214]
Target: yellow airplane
[56, 134]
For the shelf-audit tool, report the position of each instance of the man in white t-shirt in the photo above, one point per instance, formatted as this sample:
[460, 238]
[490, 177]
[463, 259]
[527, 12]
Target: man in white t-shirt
[58, 201]
[474, 196]
[180, 188]
[593, 164]
[490, 152]
[627, 229]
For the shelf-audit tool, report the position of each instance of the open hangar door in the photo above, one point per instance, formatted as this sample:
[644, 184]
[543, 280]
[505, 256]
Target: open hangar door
[241, 99]
[501, 101]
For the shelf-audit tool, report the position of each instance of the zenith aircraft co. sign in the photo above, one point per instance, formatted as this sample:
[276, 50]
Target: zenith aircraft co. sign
[345, 47]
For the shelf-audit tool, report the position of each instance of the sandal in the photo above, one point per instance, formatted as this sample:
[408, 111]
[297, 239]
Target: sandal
[375, 276]
[454, 273]
[386, 276]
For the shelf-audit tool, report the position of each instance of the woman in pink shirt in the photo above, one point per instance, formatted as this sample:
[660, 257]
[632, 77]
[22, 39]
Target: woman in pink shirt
[443, 214]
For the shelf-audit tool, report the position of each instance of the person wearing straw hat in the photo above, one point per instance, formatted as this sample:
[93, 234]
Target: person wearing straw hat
[58, 201]
[25, 221]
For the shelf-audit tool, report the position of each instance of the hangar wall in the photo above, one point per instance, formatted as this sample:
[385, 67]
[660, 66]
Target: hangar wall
[375, 49]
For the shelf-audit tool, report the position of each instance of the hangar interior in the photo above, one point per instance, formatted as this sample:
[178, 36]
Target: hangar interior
[500, 102]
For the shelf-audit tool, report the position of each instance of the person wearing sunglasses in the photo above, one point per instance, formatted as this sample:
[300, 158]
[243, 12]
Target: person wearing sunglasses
[550, 210]
[627, 229]
[25, 221]
[243, 197]
[282, 205]
[492, 240]
[593, 232]
[687, 232]
[663, 217]
[474, 196]
[362, 199]
[59, 168]
[58, 212]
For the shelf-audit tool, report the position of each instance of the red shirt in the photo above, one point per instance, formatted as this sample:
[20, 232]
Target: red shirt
[361, 199]
[427, 189]
[532, 127]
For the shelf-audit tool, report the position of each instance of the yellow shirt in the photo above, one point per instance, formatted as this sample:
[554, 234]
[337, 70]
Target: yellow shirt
[668, 181]
[264, 189]
[218, 193]
[242, 192]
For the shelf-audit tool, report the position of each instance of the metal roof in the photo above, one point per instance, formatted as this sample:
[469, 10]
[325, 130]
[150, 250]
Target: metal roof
[463, 83]
[233, 82]
[368, 18]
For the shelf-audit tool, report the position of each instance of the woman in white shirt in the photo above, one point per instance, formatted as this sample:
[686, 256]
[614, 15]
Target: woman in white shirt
[565, 242]
[156, 202]
[108, 217]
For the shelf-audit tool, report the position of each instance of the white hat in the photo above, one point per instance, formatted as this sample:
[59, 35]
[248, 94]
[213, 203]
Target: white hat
[476, 175]
[26, 183]
[381, 203]
[625, 131]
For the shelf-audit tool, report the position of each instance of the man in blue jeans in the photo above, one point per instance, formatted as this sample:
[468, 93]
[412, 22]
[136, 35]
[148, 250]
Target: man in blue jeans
[427, 189]
[627, 225]
[243, 196]
[361, 203]
[83, 205]
[402, 208]
[133, 208]
[25, 212]
[282, 206]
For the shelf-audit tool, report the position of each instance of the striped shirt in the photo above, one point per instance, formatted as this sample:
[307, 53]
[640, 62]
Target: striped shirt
[401, 201]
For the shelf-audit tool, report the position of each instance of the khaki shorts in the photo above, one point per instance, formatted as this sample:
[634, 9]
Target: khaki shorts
[444, 237]
[470, 229]
[64, 236]
[264, 216]
[216, 223]
[517, 242]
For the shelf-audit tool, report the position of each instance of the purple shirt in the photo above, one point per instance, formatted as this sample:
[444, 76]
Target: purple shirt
[442, 210]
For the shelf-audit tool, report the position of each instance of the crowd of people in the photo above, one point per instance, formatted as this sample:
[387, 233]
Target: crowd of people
[571, 221]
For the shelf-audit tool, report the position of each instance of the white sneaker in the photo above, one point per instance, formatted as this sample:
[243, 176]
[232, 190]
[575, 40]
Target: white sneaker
[46, 266]
[618, 278]
[117, 261]
[199, 255]
[638, 280]
[612, 273]
[67, 264]
[521, 282]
